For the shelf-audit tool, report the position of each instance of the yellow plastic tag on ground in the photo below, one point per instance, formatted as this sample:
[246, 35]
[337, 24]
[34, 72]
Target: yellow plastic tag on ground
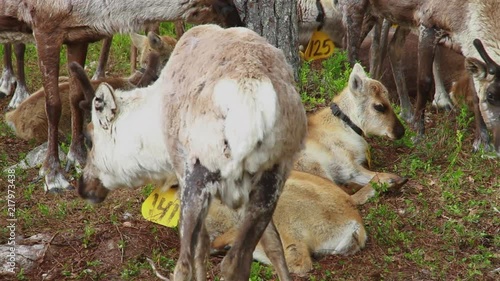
[162, 207]
[320, 46]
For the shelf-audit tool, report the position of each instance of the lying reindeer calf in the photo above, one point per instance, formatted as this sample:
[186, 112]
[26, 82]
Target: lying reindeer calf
[335, 145]
[313, 217]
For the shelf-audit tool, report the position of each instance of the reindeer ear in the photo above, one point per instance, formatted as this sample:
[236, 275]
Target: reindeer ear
[475, 67]
[356, 79]
[138, 40]
[104, 105]
[155, 41]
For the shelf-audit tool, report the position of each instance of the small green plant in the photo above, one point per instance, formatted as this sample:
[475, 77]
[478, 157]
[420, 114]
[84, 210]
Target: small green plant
[88, 233]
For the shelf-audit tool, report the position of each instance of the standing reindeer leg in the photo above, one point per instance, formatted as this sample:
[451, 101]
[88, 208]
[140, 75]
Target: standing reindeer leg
[195, 201]
[353, 16]
[441, 96]
[77, 151]
[21, 93]
[426, 51]
[378, 49]
[100, 72]
[49, 44]
[395, 56]
[8, 80]
[258, 215]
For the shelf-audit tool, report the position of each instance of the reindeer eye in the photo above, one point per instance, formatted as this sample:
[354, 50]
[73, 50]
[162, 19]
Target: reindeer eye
[379, 107]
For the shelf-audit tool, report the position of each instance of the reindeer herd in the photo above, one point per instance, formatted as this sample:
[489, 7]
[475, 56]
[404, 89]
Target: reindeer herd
[217, 114]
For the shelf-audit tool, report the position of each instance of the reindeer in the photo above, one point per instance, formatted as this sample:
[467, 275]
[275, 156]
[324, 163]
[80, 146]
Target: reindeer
[455, 24]
[335, 145]
[76, 24]
[225, 119]
[29, 120]
[313, 217]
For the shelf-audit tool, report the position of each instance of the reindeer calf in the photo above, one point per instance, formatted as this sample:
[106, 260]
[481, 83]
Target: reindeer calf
[225, 119]
[29, 120]
[335, 145]
[313, 217]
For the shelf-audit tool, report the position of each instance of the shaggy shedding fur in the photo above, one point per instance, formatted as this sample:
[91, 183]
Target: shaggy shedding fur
[225, 119]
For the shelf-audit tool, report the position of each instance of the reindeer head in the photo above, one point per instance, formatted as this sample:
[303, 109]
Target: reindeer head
[486, 75]
[162, 45]
[103, 110]
[371, 106]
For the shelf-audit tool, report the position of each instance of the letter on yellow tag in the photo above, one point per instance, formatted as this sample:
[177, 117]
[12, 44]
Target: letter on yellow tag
[320, 46]
[162, 207]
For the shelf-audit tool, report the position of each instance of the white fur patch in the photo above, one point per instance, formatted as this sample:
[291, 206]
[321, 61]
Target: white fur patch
[250, 108]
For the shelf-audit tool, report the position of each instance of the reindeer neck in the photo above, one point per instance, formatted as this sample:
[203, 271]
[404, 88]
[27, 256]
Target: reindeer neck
[347, 106]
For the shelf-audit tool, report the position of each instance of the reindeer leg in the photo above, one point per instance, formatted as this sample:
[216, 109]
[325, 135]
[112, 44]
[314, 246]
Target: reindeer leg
[49, 47]
[375, 50]
[100, 72]
[77, 152]
[8, 80]
[426, 51]
[273, 248]
[353, 16]
[263, 199]
[441, 96]
[481, 135]
[21, 93]
[195, 200]
[396, 56]
[378, 56]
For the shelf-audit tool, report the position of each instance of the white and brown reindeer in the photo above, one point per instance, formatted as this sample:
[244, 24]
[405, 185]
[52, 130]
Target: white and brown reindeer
[78, 23]
[225, 119]
[314, 217]
[336, 148]
[29, 120]
[456, 24]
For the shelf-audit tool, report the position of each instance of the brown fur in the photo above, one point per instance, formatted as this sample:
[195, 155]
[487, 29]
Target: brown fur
[29, 120]
[311, 212]
[337, 149]
[455, 24]
[78, 23]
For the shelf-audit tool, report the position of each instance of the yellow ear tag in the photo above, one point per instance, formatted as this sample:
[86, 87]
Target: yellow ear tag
[320, 46]
[162, 207]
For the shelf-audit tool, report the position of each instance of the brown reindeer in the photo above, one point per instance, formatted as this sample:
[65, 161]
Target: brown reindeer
[76, 24]
[455, 24]
[29, 120]
[314, 217]
[335, 145]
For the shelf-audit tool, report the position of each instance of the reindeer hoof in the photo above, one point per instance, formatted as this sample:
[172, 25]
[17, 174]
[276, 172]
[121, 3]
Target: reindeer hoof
[398, 184]
[56, 183]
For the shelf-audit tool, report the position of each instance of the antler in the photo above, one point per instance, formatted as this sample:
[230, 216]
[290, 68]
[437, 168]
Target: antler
[84, 82]
[493, 67]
